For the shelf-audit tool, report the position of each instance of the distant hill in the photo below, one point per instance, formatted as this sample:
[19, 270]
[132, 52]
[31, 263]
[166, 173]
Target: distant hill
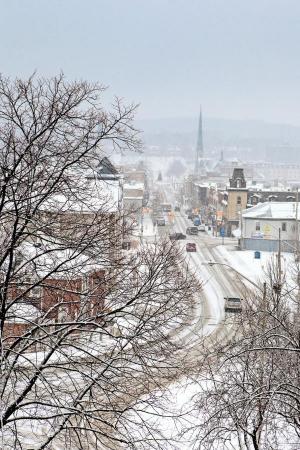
[277, 142]
[244, 129]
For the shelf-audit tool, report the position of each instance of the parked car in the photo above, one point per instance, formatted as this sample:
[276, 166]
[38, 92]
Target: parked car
[160, 222]
[201, 227]
[191, 247]
[233, 305]
[190, 216]
[177, 236]
[192, 230]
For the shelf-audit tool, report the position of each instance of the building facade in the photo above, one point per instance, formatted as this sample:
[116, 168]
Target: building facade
[270, 225]
[236, 200]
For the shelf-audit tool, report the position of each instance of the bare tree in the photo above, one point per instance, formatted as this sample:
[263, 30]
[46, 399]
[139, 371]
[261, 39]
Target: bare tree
[87, 334]
[249, 388]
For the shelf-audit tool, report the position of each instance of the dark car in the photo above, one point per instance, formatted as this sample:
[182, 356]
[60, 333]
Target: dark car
[192, 230]
[177, 236]
[191, 247]
[177, 208]
[160, 222]
[190, 216]
[126, 245]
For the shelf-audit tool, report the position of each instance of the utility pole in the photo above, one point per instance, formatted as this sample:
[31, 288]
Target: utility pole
[241, 228]
[297, 253]
[297, 226]
[277, 286]
[279, 257]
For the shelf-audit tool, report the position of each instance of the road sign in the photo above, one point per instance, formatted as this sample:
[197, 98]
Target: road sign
[222, 232]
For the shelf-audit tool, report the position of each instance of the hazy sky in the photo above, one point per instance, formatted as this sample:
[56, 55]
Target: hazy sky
[239, 58]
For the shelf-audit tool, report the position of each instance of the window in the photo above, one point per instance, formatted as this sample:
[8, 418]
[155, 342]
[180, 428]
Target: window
[283, 226]
[126, 245]
[239, 200]
[35, 292]
[257, 226]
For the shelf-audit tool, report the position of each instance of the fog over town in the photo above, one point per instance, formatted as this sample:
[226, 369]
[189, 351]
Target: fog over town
[149, 225]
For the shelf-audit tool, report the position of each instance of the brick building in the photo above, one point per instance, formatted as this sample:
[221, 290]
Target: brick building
[57, 299]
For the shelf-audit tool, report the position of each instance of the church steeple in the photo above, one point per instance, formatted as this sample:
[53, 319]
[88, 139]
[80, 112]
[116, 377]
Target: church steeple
[199, 147]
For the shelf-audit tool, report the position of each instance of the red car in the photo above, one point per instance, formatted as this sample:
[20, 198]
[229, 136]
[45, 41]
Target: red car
[191, 247]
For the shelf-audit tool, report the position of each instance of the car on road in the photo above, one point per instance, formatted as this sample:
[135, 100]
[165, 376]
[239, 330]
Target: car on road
[160, 222]
[201, 227]
[233, 305]
[190, 247]
[177, 208]
[177, 236]
[192, 230]
[166, 207]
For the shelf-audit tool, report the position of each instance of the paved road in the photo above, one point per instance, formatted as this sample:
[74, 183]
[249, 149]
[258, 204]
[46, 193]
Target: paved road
[218, 281]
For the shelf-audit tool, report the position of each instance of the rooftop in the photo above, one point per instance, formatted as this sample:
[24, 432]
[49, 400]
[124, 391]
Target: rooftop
[94, 196]
[273, 210]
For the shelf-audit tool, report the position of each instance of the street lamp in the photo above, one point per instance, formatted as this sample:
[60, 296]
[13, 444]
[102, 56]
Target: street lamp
[216, 263]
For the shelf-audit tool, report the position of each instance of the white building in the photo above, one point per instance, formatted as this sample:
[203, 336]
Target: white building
[262, 224]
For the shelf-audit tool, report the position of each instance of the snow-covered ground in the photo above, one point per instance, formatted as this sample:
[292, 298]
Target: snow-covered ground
[180, 395]
[256, 269]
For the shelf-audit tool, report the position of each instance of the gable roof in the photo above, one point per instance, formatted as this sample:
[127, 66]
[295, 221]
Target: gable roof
[105, 167]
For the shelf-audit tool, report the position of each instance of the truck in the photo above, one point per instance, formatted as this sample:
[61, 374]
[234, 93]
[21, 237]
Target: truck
[197, 221]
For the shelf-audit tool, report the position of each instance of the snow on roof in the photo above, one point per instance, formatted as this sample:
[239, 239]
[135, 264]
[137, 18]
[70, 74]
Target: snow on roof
[129, 186]
[204, 185]
[256, 187]
[63, 262]
[22, 313]
[99, 195]
[272, 210]
[256, 195]
[134, 197]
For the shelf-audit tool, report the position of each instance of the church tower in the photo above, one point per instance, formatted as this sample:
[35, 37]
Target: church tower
[199, 147]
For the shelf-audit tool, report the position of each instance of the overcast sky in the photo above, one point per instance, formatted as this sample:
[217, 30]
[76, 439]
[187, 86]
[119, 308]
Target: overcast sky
[238, 58]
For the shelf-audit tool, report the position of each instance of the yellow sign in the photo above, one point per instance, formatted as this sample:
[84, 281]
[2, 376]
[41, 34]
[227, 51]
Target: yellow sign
[267, 229]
